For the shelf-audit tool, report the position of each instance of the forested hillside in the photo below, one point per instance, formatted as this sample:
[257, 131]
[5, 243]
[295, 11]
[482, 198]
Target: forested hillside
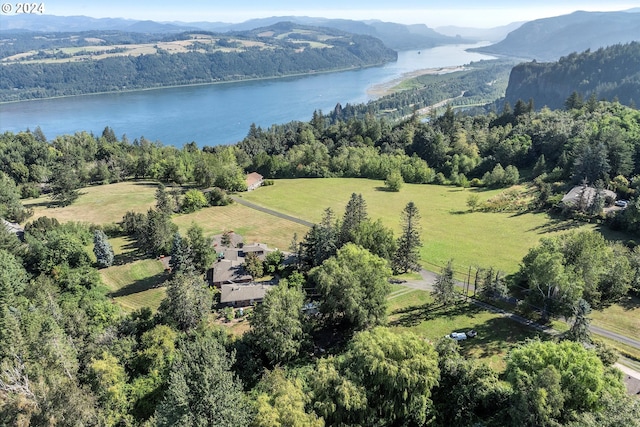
[71, 64]
[550, 38]
[608, 73]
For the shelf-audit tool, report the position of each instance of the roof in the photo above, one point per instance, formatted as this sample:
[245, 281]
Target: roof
[234, 238]
[229, 271]
[573, 196]
[13, 227]
[253, 178]
[249, 292]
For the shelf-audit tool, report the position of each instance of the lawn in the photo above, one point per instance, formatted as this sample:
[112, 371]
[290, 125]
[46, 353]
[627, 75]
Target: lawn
[99, 204]
[622, 318]
[414, 310]
[449, 229]
[134, 282]
[253, 225]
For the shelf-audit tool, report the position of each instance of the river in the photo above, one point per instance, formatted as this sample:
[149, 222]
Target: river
[218, 113]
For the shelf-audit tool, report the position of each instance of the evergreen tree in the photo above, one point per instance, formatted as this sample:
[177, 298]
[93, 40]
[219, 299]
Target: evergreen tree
[321, 242]
[354, 214]
[180, 254]
[443, 288]
[201, 248]
[407, 256]
[202, 389]
[580, 329]
[164, 203]
[188, 301]
[102, 249]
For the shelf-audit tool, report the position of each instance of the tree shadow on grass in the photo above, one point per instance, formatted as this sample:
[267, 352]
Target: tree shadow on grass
[130, 254]
[385, 189]
[556, 224]
[496, 336]
[414, 315]
[141, 285]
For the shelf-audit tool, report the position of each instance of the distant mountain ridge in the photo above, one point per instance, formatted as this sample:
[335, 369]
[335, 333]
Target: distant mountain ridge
[550, 38]
[395, 36]
[608, 73]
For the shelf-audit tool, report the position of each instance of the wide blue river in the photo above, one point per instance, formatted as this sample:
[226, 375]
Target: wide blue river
[218, 113]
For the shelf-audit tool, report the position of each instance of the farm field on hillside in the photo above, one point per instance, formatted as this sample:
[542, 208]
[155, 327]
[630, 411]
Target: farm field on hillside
[449, 229]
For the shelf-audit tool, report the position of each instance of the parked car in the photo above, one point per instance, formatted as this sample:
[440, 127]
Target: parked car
[472, 333]
[458, 336]
[621, 203]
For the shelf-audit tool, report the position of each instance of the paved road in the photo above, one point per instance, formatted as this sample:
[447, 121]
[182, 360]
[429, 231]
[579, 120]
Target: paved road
[271, 212]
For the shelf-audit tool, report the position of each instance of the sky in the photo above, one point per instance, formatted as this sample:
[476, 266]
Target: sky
[433, 13]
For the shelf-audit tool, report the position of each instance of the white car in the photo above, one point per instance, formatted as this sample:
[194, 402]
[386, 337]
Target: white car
[458, 336]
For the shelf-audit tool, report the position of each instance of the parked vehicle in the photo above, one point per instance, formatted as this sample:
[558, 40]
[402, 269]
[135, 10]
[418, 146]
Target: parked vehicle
[458, 336]
[621, 203]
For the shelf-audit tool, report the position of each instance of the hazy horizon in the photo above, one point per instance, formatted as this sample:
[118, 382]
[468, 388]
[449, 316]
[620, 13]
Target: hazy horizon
[464, 13]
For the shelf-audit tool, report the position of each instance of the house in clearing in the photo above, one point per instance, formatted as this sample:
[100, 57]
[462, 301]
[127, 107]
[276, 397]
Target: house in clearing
[582, 197]
[243, 295]
[254, 180]
[228, 272]
[229, 268]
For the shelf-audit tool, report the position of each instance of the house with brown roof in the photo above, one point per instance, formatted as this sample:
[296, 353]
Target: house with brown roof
[254, 180]
[228, 272]
[243, 295]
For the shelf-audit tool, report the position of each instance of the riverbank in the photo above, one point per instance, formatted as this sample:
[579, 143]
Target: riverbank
[386, 88]
[187, 85]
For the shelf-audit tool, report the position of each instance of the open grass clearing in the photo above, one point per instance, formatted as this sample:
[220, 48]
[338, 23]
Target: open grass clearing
[100, 204]
[622, 318]
[449, 229]
[137, 284]
[253, 225]
[416, 311]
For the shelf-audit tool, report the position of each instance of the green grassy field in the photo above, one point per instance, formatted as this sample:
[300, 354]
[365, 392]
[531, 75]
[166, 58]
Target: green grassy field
[100, 204]
[414, 310]
[134, 283]
[449, 230]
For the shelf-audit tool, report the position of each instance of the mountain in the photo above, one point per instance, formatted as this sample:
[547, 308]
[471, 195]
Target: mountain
[395, 36]
[495, 34]
[608, 73]
[550, 38]
[47, 64]
[52, 23]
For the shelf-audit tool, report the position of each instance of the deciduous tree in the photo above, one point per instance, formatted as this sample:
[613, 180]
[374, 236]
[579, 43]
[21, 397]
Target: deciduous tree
[353, 287]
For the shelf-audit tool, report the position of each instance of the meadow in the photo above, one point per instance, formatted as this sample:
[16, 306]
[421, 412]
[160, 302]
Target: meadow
[449, 229]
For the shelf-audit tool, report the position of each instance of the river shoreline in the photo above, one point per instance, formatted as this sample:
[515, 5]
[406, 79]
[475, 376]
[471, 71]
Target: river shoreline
[386, 88]
[252, 79]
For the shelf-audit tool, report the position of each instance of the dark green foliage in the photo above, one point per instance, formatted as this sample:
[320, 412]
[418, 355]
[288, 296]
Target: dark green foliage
[376, 238]
[218, 197]
[188, 301]
[202, 390]
[321, 242]
[578, 76]
[355, 213]
[10, 207]
[253, 265]
[407, 255]
[180, 254]
[383, 379]
[353, 287]
[277, 323]
[579, 331]
[102, 249]
[201, 248]
[444, 287]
